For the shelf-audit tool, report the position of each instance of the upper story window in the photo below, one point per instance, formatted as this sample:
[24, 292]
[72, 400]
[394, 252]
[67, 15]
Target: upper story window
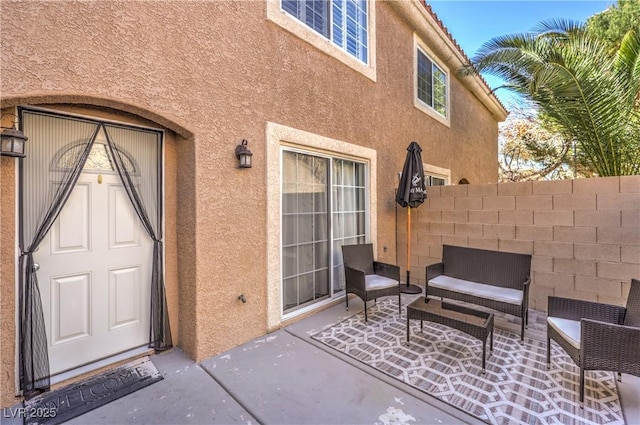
[343, 29]
[344, 22]
[431, 84]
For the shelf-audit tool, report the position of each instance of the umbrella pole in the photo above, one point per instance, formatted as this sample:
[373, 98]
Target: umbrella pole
[408, 288]
[408, 245]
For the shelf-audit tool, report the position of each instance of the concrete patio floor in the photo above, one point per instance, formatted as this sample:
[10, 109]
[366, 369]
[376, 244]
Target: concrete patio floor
[287, 378]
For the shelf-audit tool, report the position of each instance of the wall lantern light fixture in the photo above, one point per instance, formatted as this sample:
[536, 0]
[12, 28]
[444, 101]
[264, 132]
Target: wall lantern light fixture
[244, 154]
[12, 140]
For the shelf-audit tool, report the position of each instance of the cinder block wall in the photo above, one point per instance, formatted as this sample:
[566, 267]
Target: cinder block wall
[584, 234]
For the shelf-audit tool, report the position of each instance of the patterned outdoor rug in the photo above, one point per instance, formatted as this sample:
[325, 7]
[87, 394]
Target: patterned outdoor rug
[445, 363]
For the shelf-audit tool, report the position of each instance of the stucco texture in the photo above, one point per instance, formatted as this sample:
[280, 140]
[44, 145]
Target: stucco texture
[7, 280]
[215, 73]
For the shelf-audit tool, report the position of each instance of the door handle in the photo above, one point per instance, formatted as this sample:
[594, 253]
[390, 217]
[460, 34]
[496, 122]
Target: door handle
[35, 267]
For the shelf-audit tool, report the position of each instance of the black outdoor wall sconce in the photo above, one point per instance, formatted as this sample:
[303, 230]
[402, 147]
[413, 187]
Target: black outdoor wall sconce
[12, 140]
[244, 154]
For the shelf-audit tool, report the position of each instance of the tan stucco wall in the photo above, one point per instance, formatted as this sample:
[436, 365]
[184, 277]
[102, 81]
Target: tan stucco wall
[215, 73]
[7, 279]
[584, 235]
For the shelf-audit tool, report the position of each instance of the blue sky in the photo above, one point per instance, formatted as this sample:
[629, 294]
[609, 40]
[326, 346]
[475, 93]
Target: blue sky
[472, 22]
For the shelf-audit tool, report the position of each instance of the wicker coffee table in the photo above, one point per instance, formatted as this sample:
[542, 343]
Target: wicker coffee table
[476, 323]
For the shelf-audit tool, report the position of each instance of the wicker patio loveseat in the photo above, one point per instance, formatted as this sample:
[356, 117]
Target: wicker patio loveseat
[493, 279]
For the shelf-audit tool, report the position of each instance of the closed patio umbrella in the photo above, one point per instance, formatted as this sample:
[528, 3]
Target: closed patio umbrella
[411, 194]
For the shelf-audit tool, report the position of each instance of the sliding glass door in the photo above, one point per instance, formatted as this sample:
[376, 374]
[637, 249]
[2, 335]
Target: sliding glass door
[323, 207]
[349, 213]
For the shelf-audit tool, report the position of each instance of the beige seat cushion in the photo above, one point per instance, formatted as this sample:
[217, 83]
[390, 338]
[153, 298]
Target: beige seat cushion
[569, 329]
[373, 281]
[497, 293]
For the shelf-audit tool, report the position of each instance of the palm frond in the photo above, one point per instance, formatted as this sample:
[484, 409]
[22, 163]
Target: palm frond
[567, 73]
[558, 27]
[627, 62]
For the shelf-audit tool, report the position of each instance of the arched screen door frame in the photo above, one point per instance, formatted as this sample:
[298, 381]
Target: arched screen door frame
[39, 209]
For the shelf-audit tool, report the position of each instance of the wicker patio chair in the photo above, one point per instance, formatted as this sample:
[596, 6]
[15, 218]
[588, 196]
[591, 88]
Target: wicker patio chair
[597, 336]
[367, 278]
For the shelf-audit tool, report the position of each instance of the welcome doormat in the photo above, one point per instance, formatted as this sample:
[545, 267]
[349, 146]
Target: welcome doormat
[66, 403]
[447, 364]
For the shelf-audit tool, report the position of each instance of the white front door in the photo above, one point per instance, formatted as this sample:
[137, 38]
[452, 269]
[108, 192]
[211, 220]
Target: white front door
[95, 275]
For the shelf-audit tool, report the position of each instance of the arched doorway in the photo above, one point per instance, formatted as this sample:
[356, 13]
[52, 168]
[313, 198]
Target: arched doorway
[91, 220]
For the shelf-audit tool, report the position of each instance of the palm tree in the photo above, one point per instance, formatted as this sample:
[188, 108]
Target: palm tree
[591, 96]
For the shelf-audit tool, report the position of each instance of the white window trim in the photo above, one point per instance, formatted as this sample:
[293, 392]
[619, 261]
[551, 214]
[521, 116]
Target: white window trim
[434, 171]
[419, 104]
[277, 136]
[289, 23]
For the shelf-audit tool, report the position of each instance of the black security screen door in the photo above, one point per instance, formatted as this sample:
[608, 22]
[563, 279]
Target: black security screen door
[44, 190]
